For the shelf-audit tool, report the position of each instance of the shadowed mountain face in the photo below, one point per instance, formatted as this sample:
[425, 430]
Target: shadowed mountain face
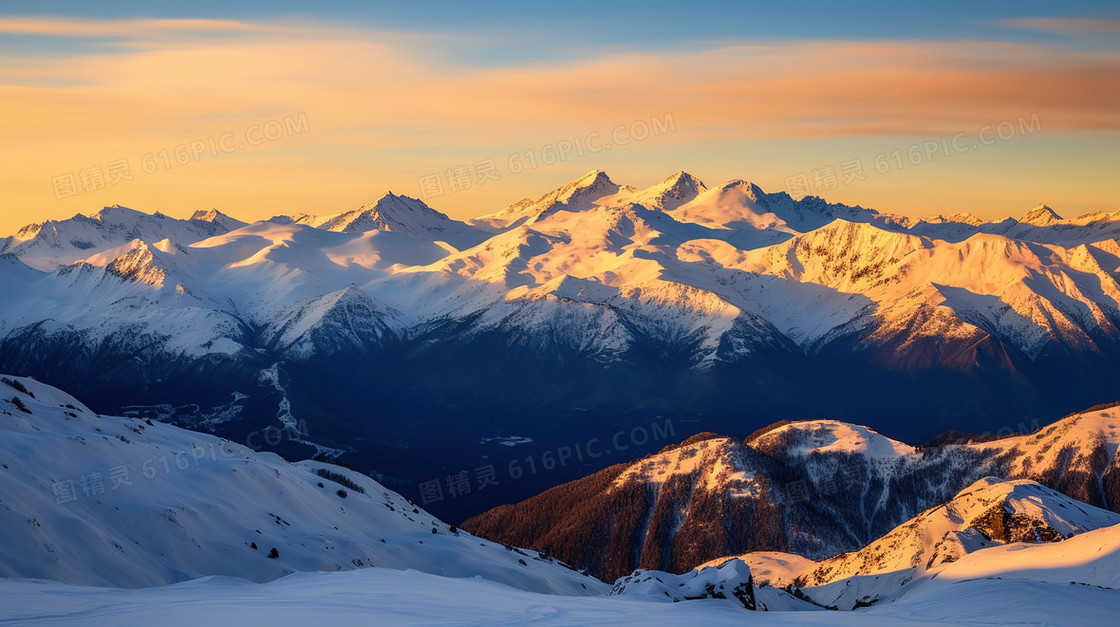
[396, 339]
[814, 488]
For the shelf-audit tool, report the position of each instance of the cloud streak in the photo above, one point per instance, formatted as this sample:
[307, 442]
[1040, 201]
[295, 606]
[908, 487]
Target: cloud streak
[129, 29]
[355, 79]
[1066, 25]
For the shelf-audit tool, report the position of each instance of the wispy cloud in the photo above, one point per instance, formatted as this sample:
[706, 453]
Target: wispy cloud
[130, 28]
[1066, 24]
[350, 79]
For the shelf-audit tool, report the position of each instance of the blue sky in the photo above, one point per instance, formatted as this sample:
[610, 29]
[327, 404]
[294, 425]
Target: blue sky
[565, 30]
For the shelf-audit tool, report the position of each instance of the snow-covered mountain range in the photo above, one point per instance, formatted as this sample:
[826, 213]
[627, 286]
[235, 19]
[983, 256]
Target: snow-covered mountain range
[716, 268]
[596, 303]
[816, 489]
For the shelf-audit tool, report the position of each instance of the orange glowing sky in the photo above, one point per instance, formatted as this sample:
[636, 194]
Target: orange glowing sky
[385, 109]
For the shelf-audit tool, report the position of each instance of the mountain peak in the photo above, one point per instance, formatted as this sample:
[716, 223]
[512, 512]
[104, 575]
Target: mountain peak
[1041, 216]
[116, 213]
[594, 182]
[390, 212]
[208, 216]
[390, 202]
[575, 195]
[746, 187]
[217, 217]
[401, 214]
[962, 217]
[674, 191]
[389, 196]
[682, 177]
[592, 177]
[135, 262]
[808, 437]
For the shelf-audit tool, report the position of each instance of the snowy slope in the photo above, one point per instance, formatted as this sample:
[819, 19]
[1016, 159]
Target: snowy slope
[1091, 559]
[344, 321]
[101, 500]
[715, 465]
[772, 568]
[986, 514]
[822, 437]
[730, 581]
[408, 598]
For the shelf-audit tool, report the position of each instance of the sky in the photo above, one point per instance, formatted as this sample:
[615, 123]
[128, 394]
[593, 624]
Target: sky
[263, 108]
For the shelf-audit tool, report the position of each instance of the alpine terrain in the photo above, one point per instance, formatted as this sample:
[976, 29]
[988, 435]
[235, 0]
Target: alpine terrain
[120, 519]
[405, 343]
